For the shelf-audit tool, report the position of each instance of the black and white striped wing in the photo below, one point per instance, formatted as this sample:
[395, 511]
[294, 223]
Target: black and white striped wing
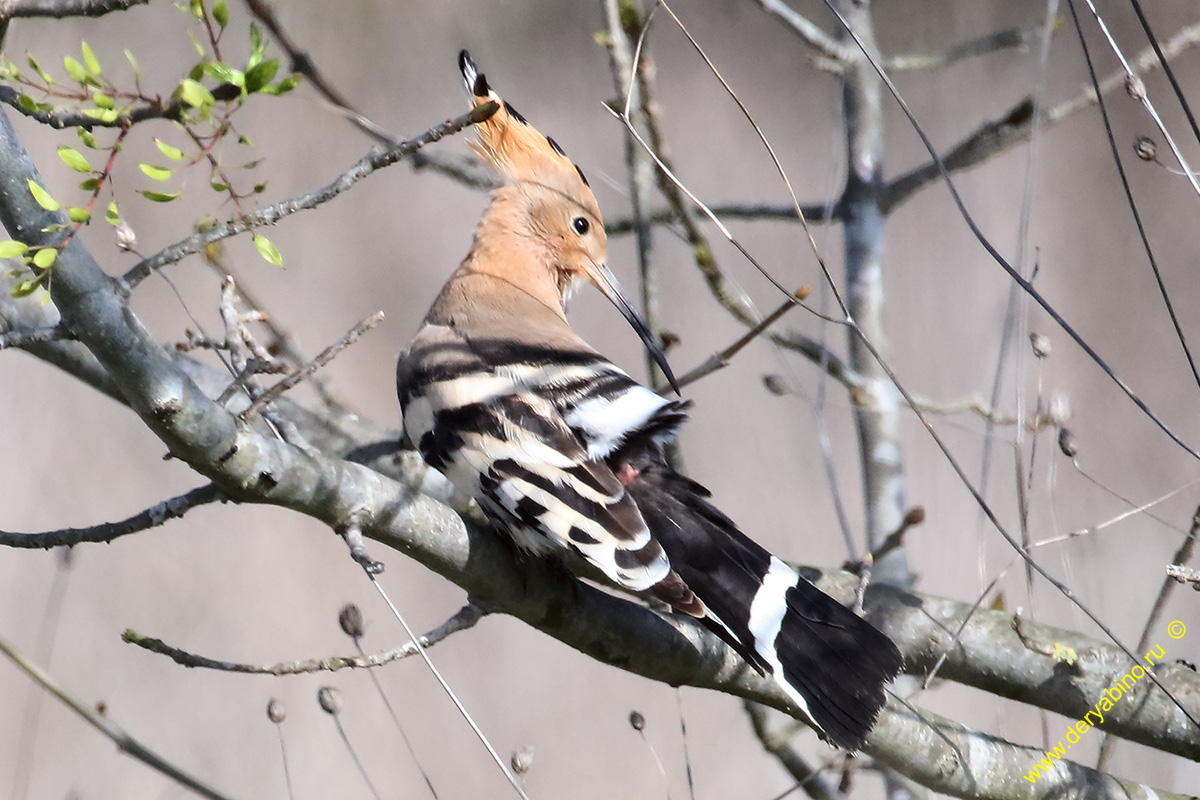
[496, 438]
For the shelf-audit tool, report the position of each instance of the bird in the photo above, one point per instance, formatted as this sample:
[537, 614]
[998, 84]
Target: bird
[566, 453]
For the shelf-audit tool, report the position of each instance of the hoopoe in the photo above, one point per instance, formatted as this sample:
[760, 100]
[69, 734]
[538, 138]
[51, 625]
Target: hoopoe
[564, 451]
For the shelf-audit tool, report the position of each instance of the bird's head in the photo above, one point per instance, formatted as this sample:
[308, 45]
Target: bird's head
[546, 199]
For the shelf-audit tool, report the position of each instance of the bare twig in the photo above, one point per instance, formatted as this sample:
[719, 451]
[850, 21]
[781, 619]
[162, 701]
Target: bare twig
[993, 138]
[775, 732]
[628, 67]
[1008, 39]
[304, 65]
[721, 360]
[751, 211]
[274, 213]
[469, 172]
[1137, 90]
[124, 742]
[152, 517]
[323, 358]
[461, 621]
[830, 48]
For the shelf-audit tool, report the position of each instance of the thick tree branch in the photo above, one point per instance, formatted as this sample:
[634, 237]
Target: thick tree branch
[948, 757]
[989, 655]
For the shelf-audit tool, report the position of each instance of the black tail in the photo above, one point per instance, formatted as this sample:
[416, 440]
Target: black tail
[831, 662]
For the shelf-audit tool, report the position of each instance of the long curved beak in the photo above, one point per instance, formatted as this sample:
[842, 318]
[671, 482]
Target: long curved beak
[606, 282]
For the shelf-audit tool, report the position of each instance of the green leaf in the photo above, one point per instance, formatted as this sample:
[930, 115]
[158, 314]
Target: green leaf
[8, 70]
[55, 227]
[27, 104]
[133, 62]
[112, 216]
[268, 251]
[42, 197]
[161, 197]
[195, 94]
[223, 73]
[45, 76]
[102, 114]
[196, 44]
[173, 153]
[89, 58]
[218, 186]
[257, 46]
[220, 13]
[86, 136]
[260, 75]
[252, 164]
[75, 70]
[44, 258]
[196, 7]
[73, 159]
[284, 86]
[103, 101]
[26, 288]
[90, 185]
[78, 214]
[12, 248]
[157, 173]
[259, 188]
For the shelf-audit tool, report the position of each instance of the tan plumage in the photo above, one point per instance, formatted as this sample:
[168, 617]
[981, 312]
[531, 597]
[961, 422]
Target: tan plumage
[564, 451]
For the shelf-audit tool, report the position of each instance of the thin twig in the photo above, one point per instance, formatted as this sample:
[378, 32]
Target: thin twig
[272, 214]
[1137, 89]
[993, 138]
[152, 517]
[812, 34]
[124, 742]
[469, 172]
[748, 211]
[721, 360]
[461, 621]
[516, 785]
[323, 358]
[1007, 39]
[778, 168]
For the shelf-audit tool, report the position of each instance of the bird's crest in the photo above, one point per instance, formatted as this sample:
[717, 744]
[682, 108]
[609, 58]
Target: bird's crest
[521, 153]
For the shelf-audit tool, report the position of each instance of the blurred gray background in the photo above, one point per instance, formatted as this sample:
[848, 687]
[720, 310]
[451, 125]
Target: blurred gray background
[264, 585]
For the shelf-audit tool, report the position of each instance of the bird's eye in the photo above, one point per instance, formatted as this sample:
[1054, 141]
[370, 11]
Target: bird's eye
[581, 225]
